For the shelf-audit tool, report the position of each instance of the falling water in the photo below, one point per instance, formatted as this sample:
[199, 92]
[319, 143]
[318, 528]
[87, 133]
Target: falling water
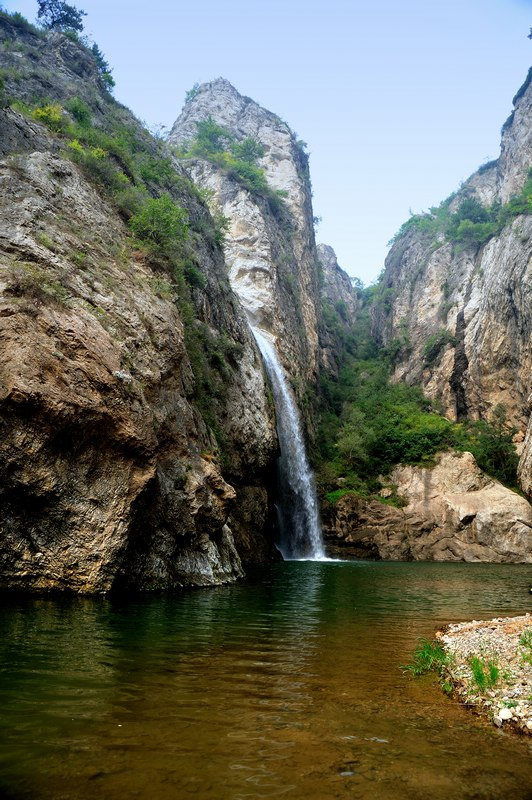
[300, 530]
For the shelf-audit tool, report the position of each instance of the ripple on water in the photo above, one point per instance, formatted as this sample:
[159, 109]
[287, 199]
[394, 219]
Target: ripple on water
[289, 685]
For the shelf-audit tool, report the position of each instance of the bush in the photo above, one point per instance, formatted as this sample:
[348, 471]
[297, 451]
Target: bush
[80, 111]
[20, 22]
[51, 116]
[191, 94]
[492, 445]
[473, 224]
[237, 159]
[161, 224]
[434, 346]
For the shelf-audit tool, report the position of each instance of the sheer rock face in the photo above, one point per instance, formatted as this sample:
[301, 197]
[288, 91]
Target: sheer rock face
[337, 286]
[337, 296]
[453, 512]
[271, 255]
[482, 296]
[109, 475]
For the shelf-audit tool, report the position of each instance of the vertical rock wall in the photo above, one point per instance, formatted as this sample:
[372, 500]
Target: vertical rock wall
[271, 256]
[478, 299]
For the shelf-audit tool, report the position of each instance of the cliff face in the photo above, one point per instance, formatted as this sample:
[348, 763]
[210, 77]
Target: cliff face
[113, 472]
[471, 302]
[339, 308]
[270, 249]
[452, 512]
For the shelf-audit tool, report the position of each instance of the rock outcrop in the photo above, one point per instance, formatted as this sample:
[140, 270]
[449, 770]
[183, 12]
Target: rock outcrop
[116, 469]
[340, 305]
[270, 249]
[452, 512]
[473, 302]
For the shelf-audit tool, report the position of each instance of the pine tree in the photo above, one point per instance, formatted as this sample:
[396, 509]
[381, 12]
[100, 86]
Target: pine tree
[58, 15]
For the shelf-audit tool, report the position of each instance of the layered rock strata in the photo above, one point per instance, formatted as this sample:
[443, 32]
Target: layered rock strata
[452, 512]
[477, 299]
[111, 474]
[270, 251]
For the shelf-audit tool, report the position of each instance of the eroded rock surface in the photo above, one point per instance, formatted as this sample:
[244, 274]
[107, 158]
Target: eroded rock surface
[453, 512]
[270, 251]
[477, 298]
[110, 474]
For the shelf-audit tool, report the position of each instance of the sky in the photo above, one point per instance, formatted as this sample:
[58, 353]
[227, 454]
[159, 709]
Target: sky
[398, 100]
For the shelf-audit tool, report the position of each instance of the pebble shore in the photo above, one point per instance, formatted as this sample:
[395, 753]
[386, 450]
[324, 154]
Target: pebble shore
[505, 646]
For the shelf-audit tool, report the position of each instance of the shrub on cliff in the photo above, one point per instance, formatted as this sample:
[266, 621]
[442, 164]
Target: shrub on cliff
[161, 224]
[472, 224]
[491, 442]
[434, 346]
[239, 160]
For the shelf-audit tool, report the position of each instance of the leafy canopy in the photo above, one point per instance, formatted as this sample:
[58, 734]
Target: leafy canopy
[60, 16]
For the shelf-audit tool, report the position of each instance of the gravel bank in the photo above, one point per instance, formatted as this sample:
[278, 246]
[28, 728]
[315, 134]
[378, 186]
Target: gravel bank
[490, 668]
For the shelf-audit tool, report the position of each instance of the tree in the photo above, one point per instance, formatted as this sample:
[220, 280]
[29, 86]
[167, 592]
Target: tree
[59, 16]
[104, 70]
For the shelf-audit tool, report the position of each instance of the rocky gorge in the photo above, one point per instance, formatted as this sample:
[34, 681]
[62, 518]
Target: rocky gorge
[140, 445]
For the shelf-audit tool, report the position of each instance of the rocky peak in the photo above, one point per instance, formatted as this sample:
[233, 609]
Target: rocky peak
[283, 161]
[337, 286]
[499, 180]
[516, 144]
[270, 248]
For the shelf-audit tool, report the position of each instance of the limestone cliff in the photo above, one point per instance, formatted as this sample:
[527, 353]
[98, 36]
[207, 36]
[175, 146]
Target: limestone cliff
[270, 248]
[339, 308]
[460, 313]
[452, 512]
[137, 428]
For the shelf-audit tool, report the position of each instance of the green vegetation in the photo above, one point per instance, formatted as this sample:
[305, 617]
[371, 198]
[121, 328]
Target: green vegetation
[435, 345]
[80, 111]
[51, 116]
[472, 224]
[430, 656]
[191, 94]
[373, 424]
[104, 70]
[237, 159]
[525, 642]
[367, 424]
[20, 22]
[58, 15]
[492, 445]
[161, 224]
[485, 673]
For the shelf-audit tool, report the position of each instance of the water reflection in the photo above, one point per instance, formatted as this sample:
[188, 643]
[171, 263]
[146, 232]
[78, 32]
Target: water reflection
[289, 685]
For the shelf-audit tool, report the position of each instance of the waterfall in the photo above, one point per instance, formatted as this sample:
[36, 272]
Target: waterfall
[300, 530]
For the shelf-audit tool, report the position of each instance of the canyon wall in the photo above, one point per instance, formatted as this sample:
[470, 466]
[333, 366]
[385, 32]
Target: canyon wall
[139, 441]
[270, 248]
[138, 432]
[472, 301]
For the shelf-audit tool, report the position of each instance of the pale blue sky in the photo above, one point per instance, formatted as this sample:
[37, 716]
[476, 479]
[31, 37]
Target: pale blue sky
[399, 100]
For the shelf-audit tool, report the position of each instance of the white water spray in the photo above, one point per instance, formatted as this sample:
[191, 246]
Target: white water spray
[300, 530]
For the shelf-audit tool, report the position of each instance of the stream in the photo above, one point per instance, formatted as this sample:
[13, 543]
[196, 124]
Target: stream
[287, 685]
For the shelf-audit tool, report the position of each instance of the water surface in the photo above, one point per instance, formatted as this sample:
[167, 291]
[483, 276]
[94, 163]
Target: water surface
[287, 686]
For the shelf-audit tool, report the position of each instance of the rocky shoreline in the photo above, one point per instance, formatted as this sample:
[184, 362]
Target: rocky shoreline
[489, 666]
